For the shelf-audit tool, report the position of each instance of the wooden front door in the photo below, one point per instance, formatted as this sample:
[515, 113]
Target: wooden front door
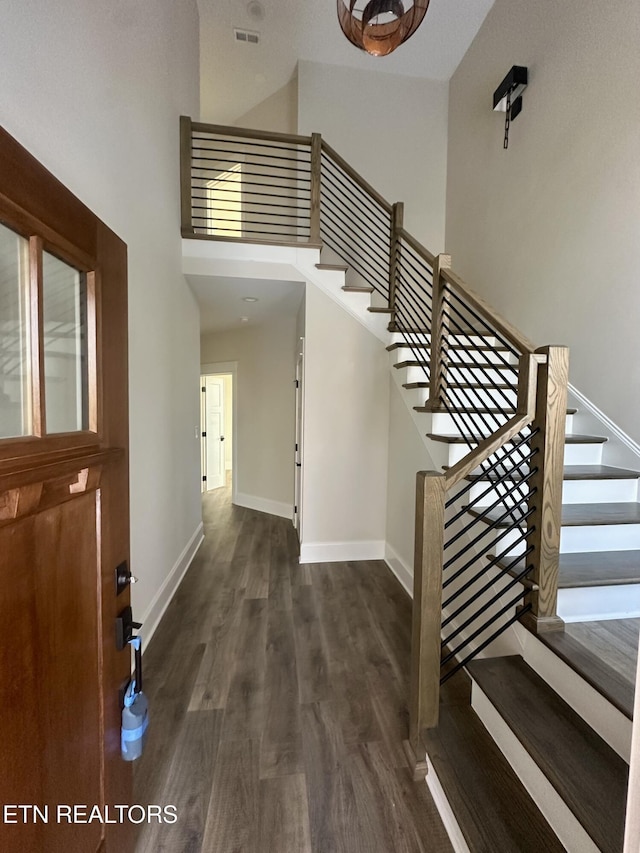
[64, 517]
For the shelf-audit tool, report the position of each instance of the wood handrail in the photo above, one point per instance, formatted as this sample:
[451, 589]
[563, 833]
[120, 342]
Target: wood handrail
[476, 301]
[425, 254]
[247, 133]
[365, 185]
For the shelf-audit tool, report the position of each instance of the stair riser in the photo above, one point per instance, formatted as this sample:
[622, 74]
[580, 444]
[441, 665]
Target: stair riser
[485, 500]
[336, 280]
[589, 604]
[574, 454]
[416, 397]
[599, 491]
[574, 492]
[583, 454]
[573, 540]
[414, 374]
[464, 374]
[454, 340]
[600, 537]
[463, 357]
[485, 398]
[444, 424]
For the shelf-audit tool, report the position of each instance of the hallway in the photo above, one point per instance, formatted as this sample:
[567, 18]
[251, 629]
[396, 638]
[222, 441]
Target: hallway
[277, 701]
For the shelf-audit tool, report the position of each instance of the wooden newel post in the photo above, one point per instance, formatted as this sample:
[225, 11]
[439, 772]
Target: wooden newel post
[438, 328]
[316, 171]
[186, 222]
[397, 218]
[424, 689]
[551, 409]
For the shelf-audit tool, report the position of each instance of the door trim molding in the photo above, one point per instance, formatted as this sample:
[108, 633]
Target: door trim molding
[212, 369]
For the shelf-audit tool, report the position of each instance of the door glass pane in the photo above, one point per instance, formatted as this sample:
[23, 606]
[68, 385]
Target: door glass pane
[15, 402]
[65, 346]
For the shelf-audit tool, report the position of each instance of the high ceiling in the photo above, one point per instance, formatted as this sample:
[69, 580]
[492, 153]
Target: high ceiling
[237, 76]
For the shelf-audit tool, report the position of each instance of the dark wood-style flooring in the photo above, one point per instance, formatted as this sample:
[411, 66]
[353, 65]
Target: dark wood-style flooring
[278, 703]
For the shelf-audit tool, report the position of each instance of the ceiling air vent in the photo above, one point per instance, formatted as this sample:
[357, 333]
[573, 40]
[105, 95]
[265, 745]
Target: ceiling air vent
[247, 36]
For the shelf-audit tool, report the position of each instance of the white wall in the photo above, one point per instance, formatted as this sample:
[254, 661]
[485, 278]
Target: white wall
[278, 112]
[94, 91]
[391, 129]
[346, 425]
[265, 426]
[407, 455]
[548, 230]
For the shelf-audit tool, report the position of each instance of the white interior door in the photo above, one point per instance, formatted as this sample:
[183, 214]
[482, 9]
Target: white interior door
[213, 437]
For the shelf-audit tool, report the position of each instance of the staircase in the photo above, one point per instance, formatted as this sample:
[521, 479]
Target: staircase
[523, 528]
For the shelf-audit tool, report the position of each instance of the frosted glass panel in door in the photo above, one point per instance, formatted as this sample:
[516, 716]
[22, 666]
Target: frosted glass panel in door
[15, 408]
[64, 294]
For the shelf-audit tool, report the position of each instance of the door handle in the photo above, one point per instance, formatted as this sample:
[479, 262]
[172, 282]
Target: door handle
[221, 438]
[125, 625]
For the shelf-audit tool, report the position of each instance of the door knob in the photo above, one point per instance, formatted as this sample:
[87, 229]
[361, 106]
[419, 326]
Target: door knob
[221, 438]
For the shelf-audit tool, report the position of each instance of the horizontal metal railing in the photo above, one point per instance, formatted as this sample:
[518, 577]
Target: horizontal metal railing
[241, 187]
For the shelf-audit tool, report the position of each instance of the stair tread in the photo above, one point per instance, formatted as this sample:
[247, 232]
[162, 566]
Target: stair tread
[571, 472]
[375, 309]
[570, 438]
[415, 384]
[593, 669]
[412, 363]
[340, 267]
[353, 288]
[491, 805]
[577, 515]
[589, 776]
[591, 568]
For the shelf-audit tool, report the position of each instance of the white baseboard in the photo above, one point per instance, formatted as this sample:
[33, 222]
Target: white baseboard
[399, 568]
[284, 510]
[338, 552]
[445, 811]
[613, 428]
[161, 600]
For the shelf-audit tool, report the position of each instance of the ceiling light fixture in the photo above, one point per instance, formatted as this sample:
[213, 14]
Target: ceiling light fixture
[244, 319]
[380, 26]
[250, 299]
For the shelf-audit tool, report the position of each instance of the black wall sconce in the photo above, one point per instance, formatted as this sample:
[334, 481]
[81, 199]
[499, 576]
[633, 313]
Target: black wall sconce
[507, 98]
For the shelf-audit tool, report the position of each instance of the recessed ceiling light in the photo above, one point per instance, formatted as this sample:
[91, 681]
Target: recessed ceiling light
[244, 319]
[250, 299]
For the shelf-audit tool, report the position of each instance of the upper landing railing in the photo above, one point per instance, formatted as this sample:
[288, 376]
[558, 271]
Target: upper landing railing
[488, 526]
